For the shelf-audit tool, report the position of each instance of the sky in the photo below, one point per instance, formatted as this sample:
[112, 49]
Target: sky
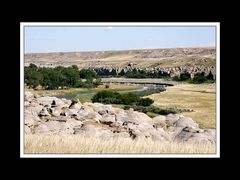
[72, 39]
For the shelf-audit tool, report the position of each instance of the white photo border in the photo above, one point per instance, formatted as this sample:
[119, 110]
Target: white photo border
[122, 24]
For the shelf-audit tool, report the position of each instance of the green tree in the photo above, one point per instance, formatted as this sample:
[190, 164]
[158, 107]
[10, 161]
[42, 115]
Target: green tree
[87, 74]
[53, 78]
[129, 98]
[33, 67]
[34, 79]
[199, 78]
[107, 97]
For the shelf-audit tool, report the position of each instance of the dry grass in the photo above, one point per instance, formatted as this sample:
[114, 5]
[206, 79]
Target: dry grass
[201, 98]
[122, 59]
[37, 144]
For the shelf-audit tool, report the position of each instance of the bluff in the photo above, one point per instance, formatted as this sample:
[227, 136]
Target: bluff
[168, 61]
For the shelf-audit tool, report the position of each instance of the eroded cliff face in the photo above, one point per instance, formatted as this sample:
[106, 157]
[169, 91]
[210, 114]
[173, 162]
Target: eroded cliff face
[170, 62]
[168, 72]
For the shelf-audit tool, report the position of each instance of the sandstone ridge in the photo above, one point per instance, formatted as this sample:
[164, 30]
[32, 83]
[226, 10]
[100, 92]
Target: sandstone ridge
[169, 61]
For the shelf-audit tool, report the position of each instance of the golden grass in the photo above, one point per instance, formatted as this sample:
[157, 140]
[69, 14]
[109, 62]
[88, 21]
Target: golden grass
[201, 98]
[37, 144]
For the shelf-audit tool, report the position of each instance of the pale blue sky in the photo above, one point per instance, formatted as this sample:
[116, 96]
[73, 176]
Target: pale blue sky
[67, 39]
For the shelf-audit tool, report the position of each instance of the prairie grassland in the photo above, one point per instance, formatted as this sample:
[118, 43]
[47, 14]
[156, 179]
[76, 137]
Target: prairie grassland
[37, 144]
[199, 97]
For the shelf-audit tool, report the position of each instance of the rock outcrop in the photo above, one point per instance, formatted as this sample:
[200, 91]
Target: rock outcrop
[51, 115]
[168, 62]
[167, 72]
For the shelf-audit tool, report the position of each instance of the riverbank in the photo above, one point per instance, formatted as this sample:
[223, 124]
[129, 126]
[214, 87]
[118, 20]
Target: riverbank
[133, 80]
[73, 91]
[201, 98]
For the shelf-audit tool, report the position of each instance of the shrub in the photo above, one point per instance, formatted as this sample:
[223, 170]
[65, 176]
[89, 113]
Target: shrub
[198, 79]
[111, 97]
[106, 97]
[150, 91]
[107, 86]
[145, 102]
[182, 77]
[87, 73]
[129, 98]
[144, 74]
[175, 78]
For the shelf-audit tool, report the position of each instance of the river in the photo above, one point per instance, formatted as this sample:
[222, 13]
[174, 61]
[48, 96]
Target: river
[71, 96]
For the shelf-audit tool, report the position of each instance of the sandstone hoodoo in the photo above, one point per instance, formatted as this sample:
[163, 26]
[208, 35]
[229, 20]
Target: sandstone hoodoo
[54, 116]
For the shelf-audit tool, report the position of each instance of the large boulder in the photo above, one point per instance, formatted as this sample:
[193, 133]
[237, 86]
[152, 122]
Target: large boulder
[73, 123]
[53, 127]
[28, 96]
[75, 104]
[31, 115]
[55, 112]
[171, 119]
[93, 116]
[108, 119]
[146, 130]
[159, 122]
[44, 112]
[132, 116]
[195, 135]
[46, 100]
[85, 130]
[87, 107]
[121, 135]
[186, 122]
[27, 130]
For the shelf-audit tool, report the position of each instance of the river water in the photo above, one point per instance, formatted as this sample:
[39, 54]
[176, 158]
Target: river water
[71, 96]
[121, 91]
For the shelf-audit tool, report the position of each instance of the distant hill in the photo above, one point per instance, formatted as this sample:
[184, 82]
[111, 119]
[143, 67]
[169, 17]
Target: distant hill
[167, 59]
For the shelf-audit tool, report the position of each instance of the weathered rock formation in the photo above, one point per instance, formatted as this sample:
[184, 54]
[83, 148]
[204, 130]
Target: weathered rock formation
[168, 72]
[169, 61]
[51, 115]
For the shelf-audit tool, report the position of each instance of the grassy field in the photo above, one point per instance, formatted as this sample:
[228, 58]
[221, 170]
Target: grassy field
[37, 144]
[199, 97]
[70, 91]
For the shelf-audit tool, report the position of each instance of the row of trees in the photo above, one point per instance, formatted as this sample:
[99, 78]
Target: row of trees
[197, 79]
[111, 97]
[60, 77]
